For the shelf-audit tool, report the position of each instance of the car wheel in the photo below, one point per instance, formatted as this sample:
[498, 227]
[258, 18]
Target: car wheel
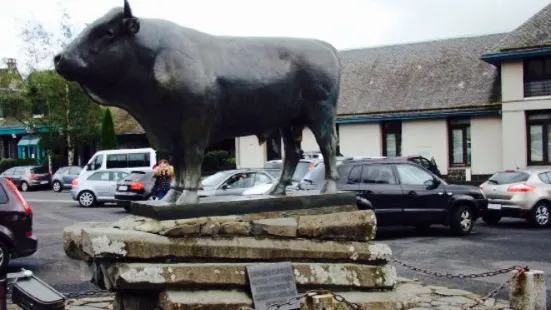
[57, 187]
[461, 221]
[24, 186]
[4, 257]
[491, 219]
[540, 215]
[86, 199]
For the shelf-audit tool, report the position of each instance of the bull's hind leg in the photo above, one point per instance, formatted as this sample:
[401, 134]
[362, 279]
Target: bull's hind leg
[292, 137]
[321, 122]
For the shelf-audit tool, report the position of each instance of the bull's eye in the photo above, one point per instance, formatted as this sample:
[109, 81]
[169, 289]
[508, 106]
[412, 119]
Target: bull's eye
[110, 33]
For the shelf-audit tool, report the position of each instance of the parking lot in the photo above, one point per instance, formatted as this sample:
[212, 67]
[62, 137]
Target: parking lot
[488, 248]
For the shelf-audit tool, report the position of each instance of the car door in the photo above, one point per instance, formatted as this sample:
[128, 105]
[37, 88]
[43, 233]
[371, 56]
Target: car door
[379, 186]
[423, 203]
[99, 182]
[18, 175]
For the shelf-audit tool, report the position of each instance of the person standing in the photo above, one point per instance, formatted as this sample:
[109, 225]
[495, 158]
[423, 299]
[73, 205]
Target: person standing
[163, 177]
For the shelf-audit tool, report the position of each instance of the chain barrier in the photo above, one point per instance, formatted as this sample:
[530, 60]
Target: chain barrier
[491, 294]
[312, 293]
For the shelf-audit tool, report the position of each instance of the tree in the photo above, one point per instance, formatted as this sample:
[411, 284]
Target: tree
[108, 138]
[71, 117]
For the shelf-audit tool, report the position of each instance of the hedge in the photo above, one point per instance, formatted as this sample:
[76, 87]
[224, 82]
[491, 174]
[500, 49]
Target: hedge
[8, 163]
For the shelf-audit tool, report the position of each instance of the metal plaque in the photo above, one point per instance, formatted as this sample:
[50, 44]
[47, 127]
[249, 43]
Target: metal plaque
[273, 283]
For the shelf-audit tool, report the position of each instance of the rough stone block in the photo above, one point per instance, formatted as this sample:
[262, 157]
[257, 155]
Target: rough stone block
[282, 227]
[234, 299]
[528, 291]
[72, 241]
[183, 230]
[136, 276]
[235, 228]
[238, 205]
[110, 242]
[359, 225]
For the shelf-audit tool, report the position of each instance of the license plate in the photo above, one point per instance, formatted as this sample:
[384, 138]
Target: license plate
[123, 188]
[494, 206]
[43, 182]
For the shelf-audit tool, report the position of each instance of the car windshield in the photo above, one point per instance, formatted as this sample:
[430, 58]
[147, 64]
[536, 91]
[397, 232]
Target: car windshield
[509, 177]
[215, 179]
[316, 175]
[302, 168]
[38, 170]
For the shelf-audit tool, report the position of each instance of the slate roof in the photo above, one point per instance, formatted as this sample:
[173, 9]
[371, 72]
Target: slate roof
[434, 75]
[535, 32]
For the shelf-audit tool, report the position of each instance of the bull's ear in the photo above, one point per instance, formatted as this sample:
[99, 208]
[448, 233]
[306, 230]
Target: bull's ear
[131, 25]
[127, 10]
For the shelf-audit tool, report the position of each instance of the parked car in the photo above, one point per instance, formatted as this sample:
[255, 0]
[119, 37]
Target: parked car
[523, 193]
[303, 166]
[136, 186]
[16, 225]
[28, 177]
[233, 182]
[96, 188]
[63, 177]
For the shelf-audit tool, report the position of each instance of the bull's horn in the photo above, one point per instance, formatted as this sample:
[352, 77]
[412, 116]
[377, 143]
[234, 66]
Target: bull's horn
[127, 10]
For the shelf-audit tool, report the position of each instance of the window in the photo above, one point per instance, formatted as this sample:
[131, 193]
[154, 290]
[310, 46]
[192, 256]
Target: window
[354, 176]
[544, 177]
[242, 180]
[3, 196]
[74, 170]
[412, 175]
[378, 174]
[117, 175]
[63, 170]
[39, 170]
[459, 137]
[538, 138]
[261, 178]
[19, 171]
[9, 171]
[117, 161]
[537, 77]
[138, 160]
[97, 162]
[99, 176]
[392, 138]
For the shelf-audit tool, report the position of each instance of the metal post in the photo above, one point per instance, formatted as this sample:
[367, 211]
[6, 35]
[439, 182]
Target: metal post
[3, 292]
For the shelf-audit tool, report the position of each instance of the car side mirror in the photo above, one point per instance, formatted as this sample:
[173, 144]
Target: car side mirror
[433, 183]
[225, 186]
[89, 166]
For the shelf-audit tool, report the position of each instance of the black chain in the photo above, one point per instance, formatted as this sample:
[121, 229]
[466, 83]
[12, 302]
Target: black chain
[456, 276]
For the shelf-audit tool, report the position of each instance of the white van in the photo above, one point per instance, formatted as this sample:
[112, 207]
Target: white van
[125, 160]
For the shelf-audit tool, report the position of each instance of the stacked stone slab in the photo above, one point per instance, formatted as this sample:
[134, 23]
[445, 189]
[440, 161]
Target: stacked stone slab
[200, 263]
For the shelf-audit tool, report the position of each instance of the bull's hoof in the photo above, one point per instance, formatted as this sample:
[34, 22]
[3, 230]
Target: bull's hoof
[278, 190]
[187, 198]
[329, 187]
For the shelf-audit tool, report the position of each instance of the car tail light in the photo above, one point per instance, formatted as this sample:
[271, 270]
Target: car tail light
[520, 188]
[136, 186]
[74, 182]
[14, 189]
[33, 176]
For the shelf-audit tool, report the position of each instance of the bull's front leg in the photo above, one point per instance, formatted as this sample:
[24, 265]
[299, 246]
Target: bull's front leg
[191, 174]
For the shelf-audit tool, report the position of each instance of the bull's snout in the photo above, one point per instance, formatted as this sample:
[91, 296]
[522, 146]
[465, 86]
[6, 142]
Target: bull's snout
[57, 58]
[68, 67]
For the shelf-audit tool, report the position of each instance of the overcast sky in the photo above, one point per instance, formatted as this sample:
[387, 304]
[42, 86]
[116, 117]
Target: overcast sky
[350, 24]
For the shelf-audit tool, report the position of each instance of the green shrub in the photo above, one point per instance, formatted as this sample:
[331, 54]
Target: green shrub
[108, 138]
[8, 163]
[217, 160]
[58, 161]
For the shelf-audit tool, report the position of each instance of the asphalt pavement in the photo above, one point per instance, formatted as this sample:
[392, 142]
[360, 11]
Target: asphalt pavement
[488, 248]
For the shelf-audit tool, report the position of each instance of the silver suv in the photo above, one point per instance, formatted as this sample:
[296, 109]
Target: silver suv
[522, 193]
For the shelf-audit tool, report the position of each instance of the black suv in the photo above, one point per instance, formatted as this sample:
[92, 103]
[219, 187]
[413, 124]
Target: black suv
[402, 192]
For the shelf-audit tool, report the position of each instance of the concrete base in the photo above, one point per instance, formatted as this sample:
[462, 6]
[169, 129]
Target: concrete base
[237, 205]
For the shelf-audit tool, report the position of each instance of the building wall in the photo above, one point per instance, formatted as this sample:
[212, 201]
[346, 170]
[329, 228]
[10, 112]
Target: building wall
[486, 145]
[248, 153]
[512, 81]
[360, 139]
[428, 138]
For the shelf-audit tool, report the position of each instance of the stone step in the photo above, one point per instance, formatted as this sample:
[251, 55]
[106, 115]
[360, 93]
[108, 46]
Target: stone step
[234, 299]
[130, 245]
[351, 225]
[238, 205]
[137, 276]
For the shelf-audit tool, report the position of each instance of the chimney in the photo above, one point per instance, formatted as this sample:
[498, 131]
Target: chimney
[12, 64]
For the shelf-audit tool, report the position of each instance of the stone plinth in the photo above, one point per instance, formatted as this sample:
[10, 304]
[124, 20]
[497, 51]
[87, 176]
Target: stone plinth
[196, 257]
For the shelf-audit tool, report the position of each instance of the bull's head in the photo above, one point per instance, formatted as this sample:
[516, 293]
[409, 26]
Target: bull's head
[101, 49]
